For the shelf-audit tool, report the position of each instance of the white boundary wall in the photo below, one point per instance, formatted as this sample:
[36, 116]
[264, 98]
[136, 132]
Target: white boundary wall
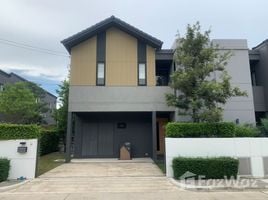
[254, 148]
[21, 164]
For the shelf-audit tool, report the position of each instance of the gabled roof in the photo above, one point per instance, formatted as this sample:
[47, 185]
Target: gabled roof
[264, 42]
[24, 80]
[105, 24]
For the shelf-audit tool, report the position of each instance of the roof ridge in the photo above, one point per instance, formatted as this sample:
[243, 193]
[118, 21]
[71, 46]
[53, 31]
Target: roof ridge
[104, 24]
[137, 29]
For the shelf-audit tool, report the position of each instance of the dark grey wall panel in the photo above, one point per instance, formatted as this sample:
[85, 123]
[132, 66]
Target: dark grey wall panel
[77, 137]
[105, 139]
[101, 46]
[141, 52]
[90, 139]
[265, 165]
[244, 167]
[138, 134]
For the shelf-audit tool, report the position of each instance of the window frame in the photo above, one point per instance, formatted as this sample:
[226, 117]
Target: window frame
[97, 73]
[145, 71]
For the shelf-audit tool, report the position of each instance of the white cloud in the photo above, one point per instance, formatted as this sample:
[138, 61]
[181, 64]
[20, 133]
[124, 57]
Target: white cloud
[36, 72]
[45, 23]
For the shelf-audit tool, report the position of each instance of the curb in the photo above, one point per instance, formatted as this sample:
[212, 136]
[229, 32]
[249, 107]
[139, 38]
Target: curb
[10, 187]
[211, 188]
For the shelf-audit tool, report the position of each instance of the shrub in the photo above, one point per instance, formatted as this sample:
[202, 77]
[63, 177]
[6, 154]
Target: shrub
[246, 131]
[49, 141]
[16, 131]
[264, 127]
[4, 169]
[211, 168]
[225, 129]
[221, 129]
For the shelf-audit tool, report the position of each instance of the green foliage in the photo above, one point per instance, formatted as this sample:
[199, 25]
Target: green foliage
[211, 168]
[201, 95]
[61, 114]
[264, 127]
[4, 169]
[39, 94]
[246, 131]
[49, 141]
[15, 131]
[19, 103]
[219, 129]
[47, 162]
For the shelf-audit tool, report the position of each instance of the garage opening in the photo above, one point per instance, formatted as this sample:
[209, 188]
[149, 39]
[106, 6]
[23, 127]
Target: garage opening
[101, 134]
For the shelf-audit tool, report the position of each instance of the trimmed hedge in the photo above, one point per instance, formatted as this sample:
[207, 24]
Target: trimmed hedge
[49, 141]
[246, 131]
[4, 169]
[221, 129]
[16, 131]
[211, 168]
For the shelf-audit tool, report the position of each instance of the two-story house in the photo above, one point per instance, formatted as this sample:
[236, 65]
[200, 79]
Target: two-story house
[49, 99]
[118, 81]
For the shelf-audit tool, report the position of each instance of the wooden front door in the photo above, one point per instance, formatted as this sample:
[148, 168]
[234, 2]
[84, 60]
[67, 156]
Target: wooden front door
[160, 129]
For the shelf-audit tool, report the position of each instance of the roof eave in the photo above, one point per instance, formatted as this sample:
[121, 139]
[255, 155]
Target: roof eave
[103, 25]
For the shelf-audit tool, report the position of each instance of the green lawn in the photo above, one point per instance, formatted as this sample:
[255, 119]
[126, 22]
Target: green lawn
[161, 165]
[47, 162]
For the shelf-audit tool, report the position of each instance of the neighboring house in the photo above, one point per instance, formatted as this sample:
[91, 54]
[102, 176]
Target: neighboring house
[118, 80]
[49, 99]
[259, 71]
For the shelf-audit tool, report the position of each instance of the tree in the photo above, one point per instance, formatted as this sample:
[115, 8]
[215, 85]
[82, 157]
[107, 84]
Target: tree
[39, 94]
[18, 104]
[201, 81]
[61, 113]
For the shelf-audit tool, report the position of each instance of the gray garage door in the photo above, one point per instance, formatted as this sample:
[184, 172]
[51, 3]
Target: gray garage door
[97, 140]
[102, 135]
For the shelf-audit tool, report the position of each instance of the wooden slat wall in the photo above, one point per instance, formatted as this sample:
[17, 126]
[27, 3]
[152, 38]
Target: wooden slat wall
[121, 61]
[83, 63]
[121, 58]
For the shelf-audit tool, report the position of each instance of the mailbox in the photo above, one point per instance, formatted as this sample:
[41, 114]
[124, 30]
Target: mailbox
[22, 148]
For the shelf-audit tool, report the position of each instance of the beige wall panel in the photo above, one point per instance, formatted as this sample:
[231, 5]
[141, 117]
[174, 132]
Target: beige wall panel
[150, 66]
[121, 58]
[83, 63]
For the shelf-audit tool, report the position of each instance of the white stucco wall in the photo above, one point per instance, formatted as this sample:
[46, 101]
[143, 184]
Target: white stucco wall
[255, 148]
[21, 164]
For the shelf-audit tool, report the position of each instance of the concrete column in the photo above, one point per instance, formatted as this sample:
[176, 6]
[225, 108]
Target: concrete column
[154, 135]
[69, 138]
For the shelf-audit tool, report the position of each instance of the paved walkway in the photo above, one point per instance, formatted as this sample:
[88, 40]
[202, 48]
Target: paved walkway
[113, 180]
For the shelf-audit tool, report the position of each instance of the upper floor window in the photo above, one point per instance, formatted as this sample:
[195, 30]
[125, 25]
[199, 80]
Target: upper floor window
[142, 74]
[100, 74]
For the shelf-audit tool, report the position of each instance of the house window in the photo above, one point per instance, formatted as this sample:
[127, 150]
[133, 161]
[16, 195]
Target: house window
[100, 74]
[1, 87]
[142, 74]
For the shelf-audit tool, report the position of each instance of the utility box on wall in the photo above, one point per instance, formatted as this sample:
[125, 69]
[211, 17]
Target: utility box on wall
[22, 148]
[22, 155]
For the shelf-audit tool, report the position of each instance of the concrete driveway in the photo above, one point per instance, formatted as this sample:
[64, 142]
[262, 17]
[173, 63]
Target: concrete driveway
[112, 180]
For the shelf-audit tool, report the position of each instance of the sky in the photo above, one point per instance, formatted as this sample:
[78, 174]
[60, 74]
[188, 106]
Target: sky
[31, 31]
